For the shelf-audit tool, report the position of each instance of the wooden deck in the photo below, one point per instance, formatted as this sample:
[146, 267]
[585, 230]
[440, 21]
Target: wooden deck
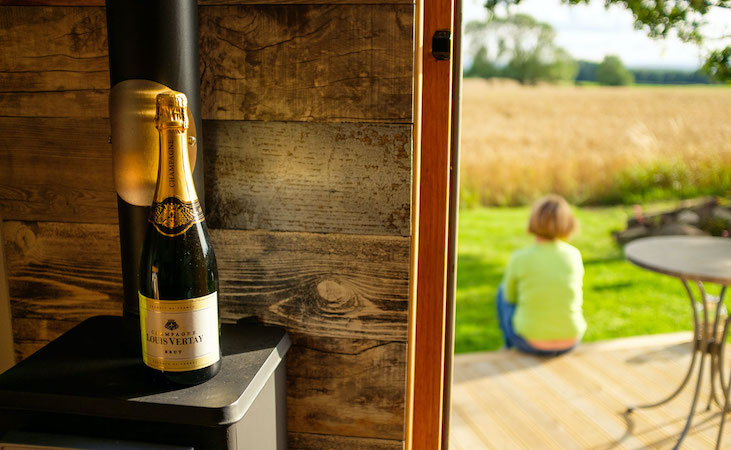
[506, 400]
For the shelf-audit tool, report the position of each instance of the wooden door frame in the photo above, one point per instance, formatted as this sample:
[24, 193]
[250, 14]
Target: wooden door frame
[7, 350]
[430, 229]
[451, 300]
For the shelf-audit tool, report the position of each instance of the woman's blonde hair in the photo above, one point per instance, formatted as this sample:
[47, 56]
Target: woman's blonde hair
[552, 218]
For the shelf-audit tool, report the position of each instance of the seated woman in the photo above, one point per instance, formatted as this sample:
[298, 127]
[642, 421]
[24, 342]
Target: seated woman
[539, 300]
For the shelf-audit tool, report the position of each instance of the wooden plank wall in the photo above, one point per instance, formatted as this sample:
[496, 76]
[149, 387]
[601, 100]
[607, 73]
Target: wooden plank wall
[307, 114]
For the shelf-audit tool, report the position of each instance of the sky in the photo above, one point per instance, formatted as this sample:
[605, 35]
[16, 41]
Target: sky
[590, 32]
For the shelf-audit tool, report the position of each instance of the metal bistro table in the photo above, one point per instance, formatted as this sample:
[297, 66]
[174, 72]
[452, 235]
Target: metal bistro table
[695, 259]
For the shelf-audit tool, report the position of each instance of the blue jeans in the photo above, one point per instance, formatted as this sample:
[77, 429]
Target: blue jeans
[505, 312]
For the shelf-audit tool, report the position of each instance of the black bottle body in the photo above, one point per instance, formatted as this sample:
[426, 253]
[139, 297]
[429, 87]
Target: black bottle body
[180, 268]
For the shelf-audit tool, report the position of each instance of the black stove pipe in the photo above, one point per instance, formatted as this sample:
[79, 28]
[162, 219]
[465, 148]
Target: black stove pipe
[157, 41]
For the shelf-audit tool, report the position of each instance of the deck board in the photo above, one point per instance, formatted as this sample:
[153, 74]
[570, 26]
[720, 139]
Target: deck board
[507, 400]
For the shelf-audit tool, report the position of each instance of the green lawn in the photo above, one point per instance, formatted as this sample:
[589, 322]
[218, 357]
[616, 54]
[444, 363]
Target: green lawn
[619, 298]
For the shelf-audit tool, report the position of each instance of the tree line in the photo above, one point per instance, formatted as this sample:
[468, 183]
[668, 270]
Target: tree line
[587, 72]
[521, 48]
[660, 18]
[610, 72]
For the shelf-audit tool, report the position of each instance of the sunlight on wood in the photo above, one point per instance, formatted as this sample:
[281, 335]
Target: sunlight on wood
[507, 400]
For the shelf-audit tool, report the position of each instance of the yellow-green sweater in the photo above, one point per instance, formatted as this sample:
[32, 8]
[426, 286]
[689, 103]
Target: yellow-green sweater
[545, 280]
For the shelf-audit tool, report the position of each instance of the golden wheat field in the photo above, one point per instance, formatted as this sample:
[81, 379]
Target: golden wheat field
[592, 144]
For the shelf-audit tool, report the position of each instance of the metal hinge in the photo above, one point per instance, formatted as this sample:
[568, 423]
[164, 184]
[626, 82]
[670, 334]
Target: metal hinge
[441, 45]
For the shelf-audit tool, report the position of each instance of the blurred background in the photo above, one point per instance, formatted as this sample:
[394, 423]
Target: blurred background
[626, 113]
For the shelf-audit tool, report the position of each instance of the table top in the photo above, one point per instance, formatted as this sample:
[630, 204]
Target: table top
[700, 258]
[86, 371]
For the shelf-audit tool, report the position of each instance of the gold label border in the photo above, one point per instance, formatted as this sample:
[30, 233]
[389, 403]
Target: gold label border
[168, 365]
[187, 305]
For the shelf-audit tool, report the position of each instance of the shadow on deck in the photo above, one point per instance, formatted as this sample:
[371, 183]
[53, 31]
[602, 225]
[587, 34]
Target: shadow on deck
[507, 400]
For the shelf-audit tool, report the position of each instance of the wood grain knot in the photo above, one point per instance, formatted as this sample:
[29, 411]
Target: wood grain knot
[337, 298]
[20, 235]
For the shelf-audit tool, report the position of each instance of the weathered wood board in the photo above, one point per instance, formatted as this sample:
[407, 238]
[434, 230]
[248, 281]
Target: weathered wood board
[340, 178]
[209, 2]
[347, 387]
[30, 335]
[295, 2]
[54, 62]
[323, 62]
[56, 170]
[62, 270]
[44, 330]
[299, 441]
[316, 284]
[313, 284]
[7, 340]
[333, 63]
[58, 275]
[315, 177]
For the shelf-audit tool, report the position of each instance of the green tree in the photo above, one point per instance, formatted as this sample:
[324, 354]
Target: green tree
[718, 65]
[564, 66]
[611, 72]
[481, 66]
[660, 17]
[524, 50]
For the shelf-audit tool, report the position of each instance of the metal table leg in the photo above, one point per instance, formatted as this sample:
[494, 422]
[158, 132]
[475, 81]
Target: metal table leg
[716, 348]
[703, 349]
[695, 350]
[700, 347]
[678, 390]
[724, 410]
[722, 342]
[727, 387]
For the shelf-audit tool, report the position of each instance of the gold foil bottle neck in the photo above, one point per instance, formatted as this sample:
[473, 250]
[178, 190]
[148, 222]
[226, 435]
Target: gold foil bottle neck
[136, 140]
[171, 110]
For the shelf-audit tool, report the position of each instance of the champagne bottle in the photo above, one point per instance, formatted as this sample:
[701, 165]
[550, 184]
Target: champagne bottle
[178, 280]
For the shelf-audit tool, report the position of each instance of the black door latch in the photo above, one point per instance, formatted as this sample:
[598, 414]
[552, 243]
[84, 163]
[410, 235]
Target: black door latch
[441, 44]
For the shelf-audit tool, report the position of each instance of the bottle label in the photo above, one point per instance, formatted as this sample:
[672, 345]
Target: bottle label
[179, 335]
[173, 217]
